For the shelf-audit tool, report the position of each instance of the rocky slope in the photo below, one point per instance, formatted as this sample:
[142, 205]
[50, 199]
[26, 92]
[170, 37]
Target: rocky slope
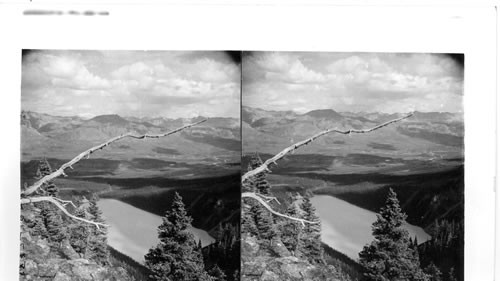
[277, 263]
[41, 261]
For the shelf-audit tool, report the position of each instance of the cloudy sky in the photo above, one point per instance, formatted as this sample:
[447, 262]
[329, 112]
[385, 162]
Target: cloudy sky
[354, 82]
[131, 83]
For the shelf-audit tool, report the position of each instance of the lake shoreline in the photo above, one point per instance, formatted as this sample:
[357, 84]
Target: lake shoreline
[133, 231]
[347, 228]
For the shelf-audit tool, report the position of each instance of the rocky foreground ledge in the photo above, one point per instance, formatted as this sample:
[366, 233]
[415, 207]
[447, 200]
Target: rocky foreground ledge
[42, 262]
[277, 263]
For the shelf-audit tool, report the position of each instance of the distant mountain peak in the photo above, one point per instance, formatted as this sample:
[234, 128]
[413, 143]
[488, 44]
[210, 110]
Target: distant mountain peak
[114, 119]
[324, 113]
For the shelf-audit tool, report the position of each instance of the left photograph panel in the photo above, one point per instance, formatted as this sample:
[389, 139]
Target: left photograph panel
[130, 165]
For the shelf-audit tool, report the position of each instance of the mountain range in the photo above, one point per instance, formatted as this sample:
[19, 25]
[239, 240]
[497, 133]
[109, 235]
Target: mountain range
[425, 134]
[44, 135]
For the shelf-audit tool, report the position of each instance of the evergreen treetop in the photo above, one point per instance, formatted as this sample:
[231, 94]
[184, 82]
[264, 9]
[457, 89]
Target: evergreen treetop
[390, 219]
[264, 222]
[56, 231]
[176, 257]
[43, 170]
[311, 235]
[434, 273]
[390, 256]
[292, 231]
[248, 225]
[259, 182]
[217, 274]
[98, 241]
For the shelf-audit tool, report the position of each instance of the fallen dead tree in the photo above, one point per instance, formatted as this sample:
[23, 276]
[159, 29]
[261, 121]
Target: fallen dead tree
[265, 167]
[61, 204]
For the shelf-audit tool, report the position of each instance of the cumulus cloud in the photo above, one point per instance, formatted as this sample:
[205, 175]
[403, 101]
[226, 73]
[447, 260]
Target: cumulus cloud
[352, 81]
[210, 70]
[284, 67]
[69, 72]
[170, 84]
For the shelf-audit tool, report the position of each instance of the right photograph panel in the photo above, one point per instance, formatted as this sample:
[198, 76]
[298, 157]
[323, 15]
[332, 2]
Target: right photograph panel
[353, 166]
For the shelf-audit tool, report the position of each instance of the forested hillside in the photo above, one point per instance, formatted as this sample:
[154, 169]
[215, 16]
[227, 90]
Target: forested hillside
[57, 247]
[280, 248]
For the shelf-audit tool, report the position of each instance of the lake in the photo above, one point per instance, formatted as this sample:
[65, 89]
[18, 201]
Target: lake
[133, 231]
[347, 228]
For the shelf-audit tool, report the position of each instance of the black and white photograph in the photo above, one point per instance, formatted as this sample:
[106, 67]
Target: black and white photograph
[237, 140]
[353, 166]
[130, 165]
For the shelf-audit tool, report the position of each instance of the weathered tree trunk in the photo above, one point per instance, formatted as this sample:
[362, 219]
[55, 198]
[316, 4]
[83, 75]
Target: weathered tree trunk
[61, 204]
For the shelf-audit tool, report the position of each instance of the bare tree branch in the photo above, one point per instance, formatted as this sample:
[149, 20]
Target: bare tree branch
[56, 202]
[65, 202]
[87, 153]
[269, 198]
[62, 203]
[256, 196]
[265, 166]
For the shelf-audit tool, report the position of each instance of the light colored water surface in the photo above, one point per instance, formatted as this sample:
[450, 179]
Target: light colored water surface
[133, 231]
[347, 228]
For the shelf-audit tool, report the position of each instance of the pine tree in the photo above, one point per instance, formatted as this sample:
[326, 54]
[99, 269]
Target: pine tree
[38, 228]
[248, 225]
[255, 219]
[48, 223]
[217, 273]
[292, 231]
[97, 243]
[176, 257]
[43, 169]
[389, 256]
[311, 238]
[79, 234]
[56, 231]
[265, 224]
[52, 189]
[259, 182]
[433, 271]
[48, 188]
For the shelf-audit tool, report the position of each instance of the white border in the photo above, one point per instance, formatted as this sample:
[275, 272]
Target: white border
[469, 30]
